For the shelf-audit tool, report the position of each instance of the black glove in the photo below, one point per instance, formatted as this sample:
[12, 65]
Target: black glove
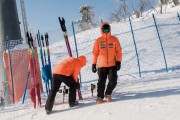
[118, 65]
[77, 85]
[94, 68]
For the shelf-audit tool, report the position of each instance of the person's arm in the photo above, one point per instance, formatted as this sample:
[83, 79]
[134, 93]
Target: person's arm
[118, 55]
[95, 52]
[118, 51]
[76, 73]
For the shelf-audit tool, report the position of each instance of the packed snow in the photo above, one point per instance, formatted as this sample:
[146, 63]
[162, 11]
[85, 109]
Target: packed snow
[154, 96]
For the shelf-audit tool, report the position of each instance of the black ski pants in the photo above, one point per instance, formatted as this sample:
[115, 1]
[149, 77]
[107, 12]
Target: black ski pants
[56, 83]
[103, 73]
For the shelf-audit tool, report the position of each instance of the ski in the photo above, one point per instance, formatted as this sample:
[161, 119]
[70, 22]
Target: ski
[46, 68]
[35, 88]
[63, 28]
[43, 71]
[26, 85]
[49, 58]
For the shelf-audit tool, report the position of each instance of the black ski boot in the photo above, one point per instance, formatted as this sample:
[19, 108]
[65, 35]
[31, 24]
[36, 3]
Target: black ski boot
[73, 104]
[48, 112]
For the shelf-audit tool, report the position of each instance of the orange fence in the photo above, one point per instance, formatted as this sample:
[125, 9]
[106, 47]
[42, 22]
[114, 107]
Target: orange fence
[20, 64]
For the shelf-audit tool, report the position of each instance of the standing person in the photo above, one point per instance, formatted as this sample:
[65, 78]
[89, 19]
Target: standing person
[67, 72]
[107, 56]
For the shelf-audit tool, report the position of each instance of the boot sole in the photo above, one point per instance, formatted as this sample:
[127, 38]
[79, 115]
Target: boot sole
[98, 102]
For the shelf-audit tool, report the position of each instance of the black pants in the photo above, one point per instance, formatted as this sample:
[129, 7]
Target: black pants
[103, 73]
[56, 83]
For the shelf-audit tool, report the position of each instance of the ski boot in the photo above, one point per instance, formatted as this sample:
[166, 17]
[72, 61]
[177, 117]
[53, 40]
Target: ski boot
[108, 98]
[48, 111]
[99, 100]
[73, 104]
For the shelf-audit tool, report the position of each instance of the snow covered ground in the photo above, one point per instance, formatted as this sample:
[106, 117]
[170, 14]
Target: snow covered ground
[154, 96]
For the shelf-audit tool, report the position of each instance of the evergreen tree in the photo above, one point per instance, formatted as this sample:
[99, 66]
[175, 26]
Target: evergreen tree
[87, 18]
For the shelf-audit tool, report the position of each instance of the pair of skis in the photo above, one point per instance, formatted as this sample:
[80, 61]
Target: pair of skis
[63, 27]
[35, 87]
[46, 62]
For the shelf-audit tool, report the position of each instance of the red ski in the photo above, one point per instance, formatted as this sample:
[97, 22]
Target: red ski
[63, 27]
[35, 87]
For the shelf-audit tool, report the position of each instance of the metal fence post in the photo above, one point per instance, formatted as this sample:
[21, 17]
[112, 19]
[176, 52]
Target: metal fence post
[160, 42]
[135, 47]
[76, 50]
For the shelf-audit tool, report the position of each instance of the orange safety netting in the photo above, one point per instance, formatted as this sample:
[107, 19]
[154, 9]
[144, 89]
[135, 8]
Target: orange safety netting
[20, 65]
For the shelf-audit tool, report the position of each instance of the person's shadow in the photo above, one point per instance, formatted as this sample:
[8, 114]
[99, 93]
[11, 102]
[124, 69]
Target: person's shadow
[145, 94]
[119, 96]
[90, 101]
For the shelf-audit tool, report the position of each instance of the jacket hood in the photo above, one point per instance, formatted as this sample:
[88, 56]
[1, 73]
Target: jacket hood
[105, 35]
[82, 60]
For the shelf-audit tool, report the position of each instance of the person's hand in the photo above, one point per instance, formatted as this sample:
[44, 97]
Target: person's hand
[94, 69]
[118, 65]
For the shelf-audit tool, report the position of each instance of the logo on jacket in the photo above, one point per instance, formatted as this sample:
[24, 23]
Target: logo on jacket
[111, 45]
[102, 44]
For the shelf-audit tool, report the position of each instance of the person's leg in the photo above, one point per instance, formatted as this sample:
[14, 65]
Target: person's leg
[102, 73]
[70, 82]
[112, 76]
[56, 82]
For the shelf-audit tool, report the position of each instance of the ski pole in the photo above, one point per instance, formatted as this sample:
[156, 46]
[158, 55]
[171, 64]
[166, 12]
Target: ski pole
[26, 86]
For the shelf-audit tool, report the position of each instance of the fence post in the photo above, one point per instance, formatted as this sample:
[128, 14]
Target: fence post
[76, 49]
[178, 16]
[135, 47]
[160, 42]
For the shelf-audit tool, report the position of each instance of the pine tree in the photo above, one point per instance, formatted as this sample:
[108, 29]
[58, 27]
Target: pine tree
[87, 19]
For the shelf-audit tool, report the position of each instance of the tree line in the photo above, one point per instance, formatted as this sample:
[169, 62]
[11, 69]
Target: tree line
[122, 11]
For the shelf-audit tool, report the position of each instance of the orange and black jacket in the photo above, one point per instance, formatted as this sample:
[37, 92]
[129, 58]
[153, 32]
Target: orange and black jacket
[107, 50]
[70, 67]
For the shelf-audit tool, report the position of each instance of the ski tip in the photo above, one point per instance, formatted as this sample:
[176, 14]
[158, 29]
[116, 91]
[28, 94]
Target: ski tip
[46, 36]
[27, 34]
[62, 24]
[30, 35]
[42, 38]
[63, 20]
[59, 19]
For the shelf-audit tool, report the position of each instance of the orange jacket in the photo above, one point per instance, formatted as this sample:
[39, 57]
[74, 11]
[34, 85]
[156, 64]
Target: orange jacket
[70, 67]
[107, 50]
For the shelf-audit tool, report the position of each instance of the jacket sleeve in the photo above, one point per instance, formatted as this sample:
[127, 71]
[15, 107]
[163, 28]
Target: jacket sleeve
[95, 52]
[118, 51]
[76, 73]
